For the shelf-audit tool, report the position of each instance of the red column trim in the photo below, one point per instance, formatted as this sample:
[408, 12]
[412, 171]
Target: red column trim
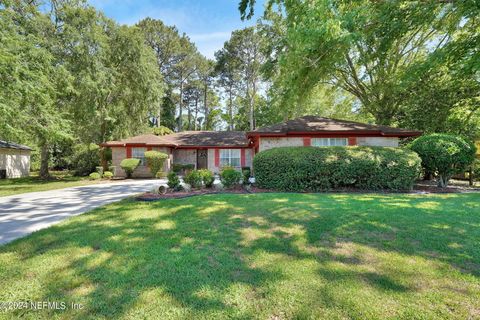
[352, 141]
[217, 157]
[242, 157]
[129, 152]
[307, 141]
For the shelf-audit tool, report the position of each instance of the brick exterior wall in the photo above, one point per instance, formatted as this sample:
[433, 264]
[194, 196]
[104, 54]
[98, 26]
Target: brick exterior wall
[120, 153]
[378, 141]
[269, 143]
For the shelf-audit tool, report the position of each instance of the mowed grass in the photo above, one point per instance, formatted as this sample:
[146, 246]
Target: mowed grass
[33, 183]
[264, 256]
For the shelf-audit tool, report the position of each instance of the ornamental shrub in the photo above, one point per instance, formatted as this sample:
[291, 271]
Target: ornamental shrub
[85, 158]
[94, 176]
[230, 177]
[322, 168]
[246, 174]
[207, 177]
[107, 175]
[173, 181]
[129, 165]
[444, 155]
[194, 178]
[155, 161]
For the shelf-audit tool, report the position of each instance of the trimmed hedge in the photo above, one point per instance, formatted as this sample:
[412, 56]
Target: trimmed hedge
[155, 161]
[129, 165]
[318, 169]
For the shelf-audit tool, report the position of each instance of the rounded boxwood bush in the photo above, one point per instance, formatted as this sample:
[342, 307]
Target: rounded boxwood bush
[173, 181]
[207, 177]
[194, 178]
[155, 161]
[129, 165]
[444, 155]
[317, 169]
[230, 177]
[94, 176]
[107, 175]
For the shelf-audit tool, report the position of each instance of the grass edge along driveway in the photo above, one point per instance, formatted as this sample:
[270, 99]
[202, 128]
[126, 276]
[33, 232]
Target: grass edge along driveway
[265, 256]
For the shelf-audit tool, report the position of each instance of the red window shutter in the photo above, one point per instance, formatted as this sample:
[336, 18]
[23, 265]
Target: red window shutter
[217, 157]
[149, 148]
[352, 141]
[129, 152]
[242, 157]
[307, 142]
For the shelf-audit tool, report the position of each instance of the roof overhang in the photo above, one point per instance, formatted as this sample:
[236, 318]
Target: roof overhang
[343, 133]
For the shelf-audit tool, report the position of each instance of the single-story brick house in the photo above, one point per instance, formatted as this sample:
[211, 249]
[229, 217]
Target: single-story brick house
[14, 160]
[214, 149]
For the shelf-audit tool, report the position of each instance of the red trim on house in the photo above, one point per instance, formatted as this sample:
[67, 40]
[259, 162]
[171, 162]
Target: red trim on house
[129, 152]
[307, 141]
[149, 148]
[352, 141]
[212, 147]
[339, 134]
[217, 157]
[242, 157]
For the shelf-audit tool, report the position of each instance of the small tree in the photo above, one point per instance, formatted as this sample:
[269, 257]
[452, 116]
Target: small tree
[155, 161]
[129, 165]
[444, 155]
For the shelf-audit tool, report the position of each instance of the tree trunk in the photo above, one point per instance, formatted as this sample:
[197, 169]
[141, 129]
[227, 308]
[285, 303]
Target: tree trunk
[443, 181]
[180, 124]
[230, 110]
[195, 117]
[252, 108]
[44, 157]
[205, 106]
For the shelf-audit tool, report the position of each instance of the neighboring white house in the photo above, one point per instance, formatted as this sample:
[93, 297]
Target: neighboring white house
[14, 160]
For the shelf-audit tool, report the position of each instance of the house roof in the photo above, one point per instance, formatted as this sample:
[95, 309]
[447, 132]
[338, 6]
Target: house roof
[314, 124]
[12, 145]
[187, 139]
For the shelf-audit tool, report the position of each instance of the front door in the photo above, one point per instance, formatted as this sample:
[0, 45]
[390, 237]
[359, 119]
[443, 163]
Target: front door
[202, 159]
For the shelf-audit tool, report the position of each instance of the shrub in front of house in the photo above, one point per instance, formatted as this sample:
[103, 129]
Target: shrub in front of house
[94, 176]
[129, 165]
[324, 168]
[444, 155]
[194, 178]
[155, 161]
[230, 177]
[107, 175]
[161, 175]
[207, 177]
[246, 172]
[173, 181]
[85, 158]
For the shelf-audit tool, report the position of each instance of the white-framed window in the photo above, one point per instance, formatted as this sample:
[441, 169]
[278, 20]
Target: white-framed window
[329, 142]
[139, 153]
[230, 157]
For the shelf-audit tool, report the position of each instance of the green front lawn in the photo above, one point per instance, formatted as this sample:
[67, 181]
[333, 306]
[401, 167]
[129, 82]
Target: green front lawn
[265, 256]
[33, 183]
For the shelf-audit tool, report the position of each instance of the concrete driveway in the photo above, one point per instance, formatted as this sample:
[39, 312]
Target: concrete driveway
[25, 213]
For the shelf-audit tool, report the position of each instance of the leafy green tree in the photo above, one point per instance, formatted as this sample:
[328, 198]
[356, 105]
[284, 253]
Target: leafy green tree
[364, 47]
[444, 155]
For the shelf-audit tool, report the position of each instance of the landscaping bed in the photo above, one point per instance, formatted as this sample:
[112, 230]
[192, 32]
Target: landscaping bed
[419, 187]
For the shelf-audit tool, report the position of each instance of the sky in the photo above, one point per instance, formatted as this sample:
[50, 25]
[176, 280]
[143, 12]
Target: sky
[208, 23]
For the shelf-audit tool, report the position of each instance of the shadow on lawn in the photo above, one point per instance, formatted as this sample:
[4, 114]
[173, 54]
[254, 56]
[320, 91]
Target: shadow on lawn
[197, 248]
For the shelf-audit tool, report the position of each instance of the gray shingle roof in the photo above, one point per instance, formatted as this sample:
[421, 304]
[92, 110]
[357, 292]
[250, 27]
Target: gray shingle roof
[321, 124]
[12, 145]
[189, 138]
